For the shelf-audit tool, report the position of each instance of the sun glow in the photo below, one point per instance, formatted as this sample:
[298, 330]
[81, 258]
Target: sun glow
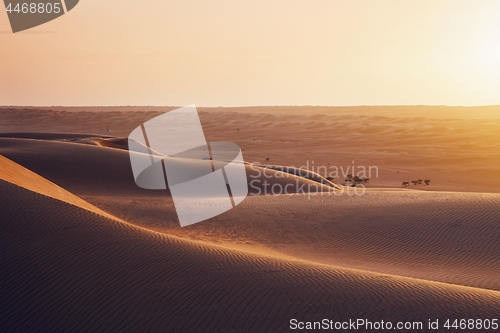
[324, 52]
[483, 58]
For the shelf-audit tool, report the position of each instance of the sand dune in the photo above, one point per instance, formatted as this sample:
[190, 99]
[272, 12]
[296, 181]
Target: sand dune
[457, 148]
[446, 237]
[83, 272]
[83, 248]
[87, 169]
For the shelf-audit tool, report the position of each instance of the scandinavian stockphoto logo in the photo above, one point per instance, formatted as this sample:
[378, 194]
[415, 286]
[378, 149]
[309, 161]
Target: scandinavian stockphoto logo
[24, 14]
[205, 179]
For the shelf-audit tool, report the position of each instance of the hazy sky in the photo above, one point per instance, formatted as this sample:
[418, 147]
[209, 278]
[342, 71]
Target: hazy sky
[259, 52]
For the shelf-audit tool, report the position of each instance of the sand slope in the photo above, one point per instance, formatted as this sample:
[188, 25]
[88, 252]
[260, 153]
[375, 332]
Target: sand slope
[64, 269]
[436, 236]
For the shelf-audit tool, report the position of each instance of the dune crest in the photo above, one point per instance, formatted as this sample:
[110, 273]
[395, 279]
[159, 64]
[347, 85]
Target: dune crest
[22, 177]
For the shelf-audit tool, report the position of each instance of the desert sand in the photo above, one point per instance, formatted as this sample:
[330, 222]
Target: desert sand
[84, 249]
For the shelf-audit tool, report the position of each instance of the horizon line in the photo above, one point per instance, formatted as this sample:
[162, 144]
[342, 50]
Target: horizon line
[252, 106]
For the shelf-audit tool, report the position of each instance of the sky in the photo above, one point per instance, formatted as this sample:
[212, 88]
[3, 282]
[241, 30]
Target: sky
[259, 52]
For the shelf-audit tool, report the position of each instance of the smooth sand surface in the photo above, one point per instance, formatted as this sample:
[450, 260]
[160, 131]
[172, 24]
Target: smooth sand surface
[393, 253]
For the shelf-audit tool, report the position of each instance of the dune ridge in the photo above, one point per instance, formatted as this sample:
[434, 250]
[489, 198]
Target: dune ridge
[20, 176]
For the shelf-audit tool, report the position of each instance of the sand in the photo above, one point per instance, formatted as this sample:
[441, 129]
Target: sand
[84, 249]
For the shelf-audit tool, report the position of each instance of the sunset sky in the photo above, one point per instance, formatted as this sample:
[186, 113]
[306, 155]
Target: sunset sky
[260, 52]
